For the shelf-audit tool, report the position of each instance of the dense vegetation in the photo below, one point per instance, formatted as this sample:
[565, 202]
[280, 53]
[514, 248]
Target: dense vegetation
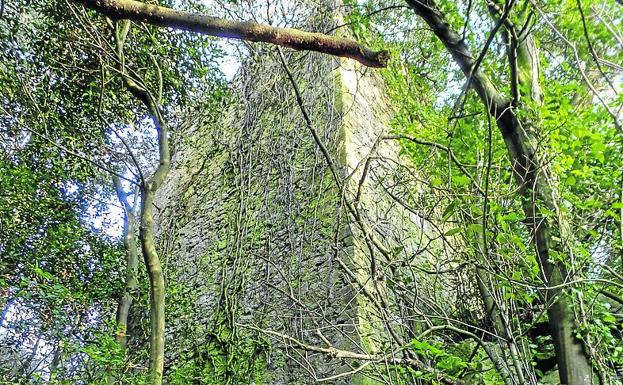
[508, 117]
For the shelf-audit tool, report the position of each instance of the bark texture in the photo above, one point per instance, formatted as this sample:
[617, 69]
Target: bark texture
[148, 243]
[250, 31]
[157, 288]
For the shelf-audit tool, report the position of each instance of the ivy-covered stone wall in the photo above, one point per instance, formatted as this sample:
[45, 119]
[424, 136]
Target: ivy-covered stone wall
[262, 246]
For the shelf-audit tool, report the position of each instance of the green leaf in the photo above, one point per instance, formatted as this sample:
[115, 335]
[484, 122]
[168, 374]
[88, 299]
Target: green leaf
[452, 232]
[475, 228]
[447, 213]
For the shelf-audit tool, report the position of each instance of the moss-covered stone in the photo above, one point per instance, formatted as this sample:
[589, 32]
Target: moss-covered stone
[263, 222]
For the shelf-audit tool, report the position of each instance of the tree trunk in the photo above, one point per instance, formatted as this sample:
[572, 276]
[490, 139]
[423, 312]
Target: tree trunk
[157, 289]
[537, 189]
[56, 361]
[131, 250]
[148, 188]
[130, 283]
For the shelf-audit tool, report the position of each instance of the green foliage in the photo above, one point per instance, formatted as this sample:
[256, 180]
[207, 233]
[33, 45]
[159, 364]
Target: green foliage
[63, 113]
[575, 132]
[442, 360]
[62, 109]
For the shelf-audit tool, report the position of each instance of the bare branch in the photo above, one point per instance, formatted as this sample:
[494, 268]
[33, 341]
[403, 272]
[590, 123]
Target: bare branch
[333, 352]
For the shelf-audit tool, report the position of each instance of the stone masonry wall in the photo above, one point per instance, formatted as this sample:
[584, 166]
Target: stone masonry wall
[255, 234]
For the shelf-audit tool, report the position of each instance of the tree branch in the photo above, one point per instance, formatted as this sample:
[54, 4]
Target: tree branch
[333, 352]
[251, 31]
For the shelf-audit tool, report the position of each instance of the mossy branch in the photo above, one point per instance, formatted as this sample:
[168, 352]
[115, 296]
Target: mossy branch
[249, 31]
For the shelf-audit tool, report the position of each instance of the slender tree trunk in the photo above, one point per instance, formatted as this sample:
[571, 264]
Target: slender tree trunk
[540, 191]
[537, 189]
[148, 188]
[130, 282]
[123, 309]
[131, 251]
[148, 244]
[56, 361]
[157, 288]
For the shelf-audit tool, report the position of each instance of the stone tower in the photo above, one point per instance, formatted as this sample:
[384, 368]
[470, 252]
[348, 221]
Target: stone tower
[265, 244]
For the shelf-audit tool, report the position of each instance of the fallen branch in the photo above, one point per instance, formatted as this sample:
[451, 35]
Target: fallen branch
[250, 31]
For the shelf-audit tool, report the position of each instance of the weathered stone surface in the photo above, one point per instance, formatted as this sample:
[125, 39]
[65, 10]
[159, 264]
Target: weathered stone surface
[252, 225]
